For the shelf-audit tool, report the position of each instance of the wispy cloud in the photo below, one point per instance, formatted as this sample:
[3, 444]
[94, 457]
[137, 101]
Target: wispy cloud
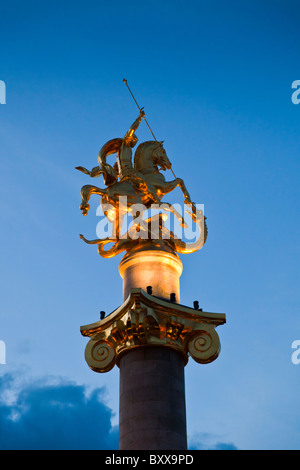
[206, 441]
[60, 415]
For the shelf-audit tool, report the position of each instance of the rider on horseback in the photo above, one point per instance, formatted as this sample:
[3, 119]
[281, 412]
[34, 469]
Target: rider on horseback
[123, 168]
[124, 155]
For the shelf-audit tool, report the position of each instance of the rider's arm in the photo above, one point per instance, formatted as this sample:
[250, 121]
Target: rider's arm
[134, 127]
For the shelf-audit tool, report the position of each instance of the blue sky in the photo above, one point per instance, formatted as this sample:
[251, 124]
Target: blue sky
[215, 80]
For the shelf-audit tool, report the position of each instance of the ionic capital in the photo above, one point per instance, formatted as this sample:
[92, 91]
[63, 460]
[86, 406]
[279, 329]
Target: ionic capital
[145, 320]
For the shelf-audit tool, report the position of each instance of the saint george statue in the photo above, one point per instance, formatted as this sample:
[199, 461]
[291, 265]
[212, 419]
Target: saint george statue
[141, 182]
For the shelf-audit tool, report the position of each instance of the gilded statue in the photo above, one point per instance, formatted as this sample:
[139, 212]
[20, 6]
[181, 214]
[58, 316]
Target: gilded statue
[137, 180]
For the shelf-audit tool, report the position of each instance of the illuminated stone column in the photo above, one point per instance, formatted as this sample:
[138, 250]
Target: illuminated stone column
[152, 391]
[150, 338]
[152, 400]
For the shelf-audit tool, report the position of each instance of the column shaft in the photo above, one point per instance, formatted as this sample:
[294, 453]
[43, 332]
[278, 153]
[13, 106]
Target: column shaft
[152, 400]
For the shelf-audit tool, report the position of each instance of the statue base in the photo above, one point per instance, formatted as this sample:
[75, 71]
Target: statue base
[154, 267]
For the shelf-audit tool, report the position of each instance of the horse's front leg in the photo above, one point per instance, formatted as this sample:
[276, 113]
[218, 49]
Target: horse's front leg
[86, 192]
[185, 192]
[169, 186]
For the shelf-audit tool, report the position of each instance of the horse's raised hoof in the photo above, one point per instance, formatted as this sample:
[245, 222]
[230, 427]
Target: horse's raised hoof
[85, 209]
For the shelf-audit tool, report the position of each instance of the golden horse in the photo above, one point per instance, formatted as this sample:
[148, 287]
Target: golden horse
[145, 185]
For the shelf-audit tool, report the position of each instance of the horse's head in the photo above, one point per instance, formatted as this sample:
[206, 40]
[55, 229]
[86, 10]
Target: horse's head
[149, 155]
[160, 157]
